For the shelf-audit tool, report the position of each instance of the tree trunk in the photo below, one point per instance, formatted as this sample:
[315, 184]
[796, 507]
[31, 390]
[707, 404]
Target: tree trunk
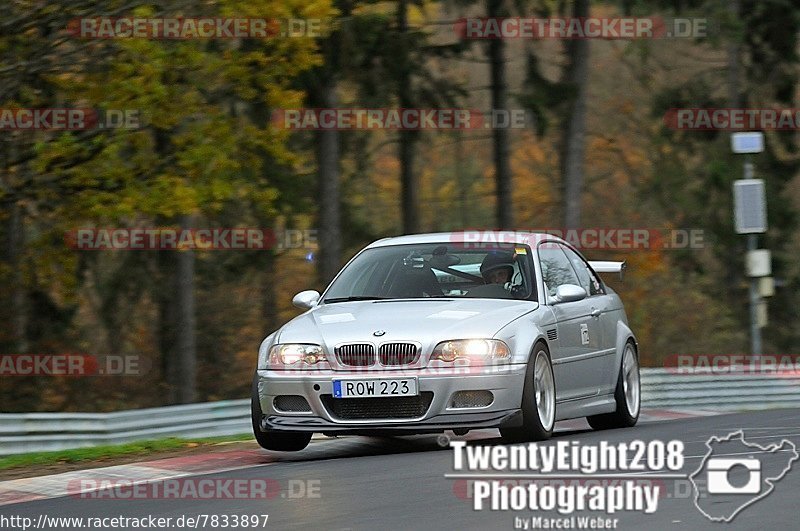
[734, 64]
[574, 139]
[461, 179]
[500, 137]
[16, 241]
[408, 183]
[14, 245]
[186, 331]
[163, 294]
[408, 180]
[269, 303]
[330, 234]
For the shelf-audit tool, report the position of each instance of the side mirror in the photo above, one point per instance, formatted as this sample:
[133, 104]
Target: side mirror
[306, 299]
[569, 293]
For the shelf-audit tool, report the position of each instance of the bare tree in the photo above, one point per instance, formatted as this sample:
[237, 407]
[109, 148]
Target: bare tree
[409, 183]
[186, 344]
[16, 240]
[327, 153]
[500, 137]
[574, 136]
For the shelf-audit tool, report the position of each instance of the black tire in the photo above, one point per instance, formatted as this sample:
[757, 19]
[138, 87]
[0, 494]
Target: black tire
[281, 441]
[532, 428]
[622, 417]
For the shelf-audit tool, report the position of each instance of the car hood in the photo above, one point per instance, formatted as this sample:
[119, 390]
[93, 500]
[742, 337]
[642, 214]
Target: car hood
[424, 321]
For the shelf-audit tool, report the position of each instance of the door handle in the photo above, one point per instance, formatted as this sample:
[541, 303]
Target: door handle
[596, 312]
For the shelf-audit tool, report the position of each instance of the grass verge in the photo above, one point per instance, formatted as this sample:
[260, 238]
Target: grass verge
[99, 453]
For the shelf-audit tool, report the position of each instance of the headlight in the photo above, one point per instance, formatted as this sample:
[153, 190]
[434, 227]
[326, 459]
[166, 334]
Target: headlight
[473, 349]
[294, 355]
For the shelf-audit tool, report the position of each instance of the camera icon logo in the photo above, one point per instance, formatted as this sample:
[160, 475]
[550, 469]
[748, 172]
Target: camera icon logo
[735, 473]
[718, 476]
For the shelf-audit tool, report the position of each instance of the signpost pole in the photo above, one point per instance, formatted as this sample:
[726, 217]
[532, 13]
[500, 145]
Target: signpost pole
[755, 301]
[755, 298]
[750, 219]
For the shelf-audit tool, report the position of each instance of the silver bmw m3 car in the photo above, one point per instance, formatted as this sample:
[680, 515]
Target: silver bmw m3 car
[435, 332]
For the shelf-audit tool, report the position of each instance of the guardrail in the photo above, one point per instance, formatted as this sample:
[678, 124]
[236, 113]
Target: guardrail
[662, 388]
[36, 432]
[41, 432]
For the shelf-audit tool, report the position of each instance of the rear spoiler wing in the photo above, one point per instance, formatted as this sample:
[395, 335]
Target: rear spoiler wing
[608, 267]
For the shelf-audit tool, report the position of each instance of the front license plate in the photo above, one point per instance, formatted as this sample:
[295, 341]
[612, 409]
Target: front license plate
[375, 388]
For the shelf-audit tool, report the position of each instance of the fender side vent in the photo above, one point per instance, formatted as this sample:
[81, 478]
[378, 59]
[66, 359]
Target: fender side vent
[552, 334]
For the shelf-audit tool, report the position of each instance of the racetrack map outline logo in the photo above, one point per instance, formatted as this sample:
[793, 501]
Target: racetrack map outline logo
[720, 500]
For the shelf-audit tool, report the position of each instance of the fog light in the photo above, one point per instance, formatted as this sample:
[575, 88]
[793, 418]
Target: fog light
[466, 399]
[291, 404]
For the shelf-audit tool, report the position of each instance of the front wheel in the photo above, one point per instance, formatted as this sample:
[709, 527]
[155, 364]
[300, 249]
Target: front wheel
[538, 400]
[627, 395]
[282, 441]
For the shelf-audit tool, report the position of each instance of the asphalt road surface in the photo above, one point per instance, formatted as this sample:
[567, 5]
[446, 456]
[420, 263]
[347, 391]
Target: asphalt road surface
[400, 483]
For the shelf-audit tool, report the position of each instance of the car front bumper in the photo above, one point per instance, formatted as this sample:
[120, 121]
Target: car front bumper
[505, 383]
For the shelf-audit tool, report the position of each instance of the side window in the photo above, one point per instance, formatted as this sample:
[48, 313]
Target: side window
[556, 269]
[588, 279]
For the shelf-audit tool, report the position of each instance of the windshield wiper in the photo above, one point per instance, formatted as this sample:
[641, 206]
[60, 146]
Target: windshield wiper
[354, 298]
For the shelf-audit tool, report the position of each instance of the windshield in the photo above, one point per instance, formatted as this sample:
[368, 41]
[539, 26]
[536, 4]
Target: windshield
[435, 270]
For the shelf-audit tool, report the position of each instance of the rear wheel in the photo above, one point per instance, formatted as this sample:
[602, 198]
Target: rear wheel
[283, 441]
[538, 400]
[627, 395]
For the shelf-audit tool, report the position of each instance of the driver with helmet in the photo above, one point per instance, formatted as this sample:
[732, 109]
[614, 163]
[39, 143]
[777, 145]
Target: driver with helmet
[497, 267]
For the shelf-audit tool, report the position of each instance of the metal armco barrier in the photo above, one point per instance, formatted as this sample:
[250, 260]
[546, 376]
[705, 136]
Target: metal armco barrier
[661, 389]
[41, 432]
